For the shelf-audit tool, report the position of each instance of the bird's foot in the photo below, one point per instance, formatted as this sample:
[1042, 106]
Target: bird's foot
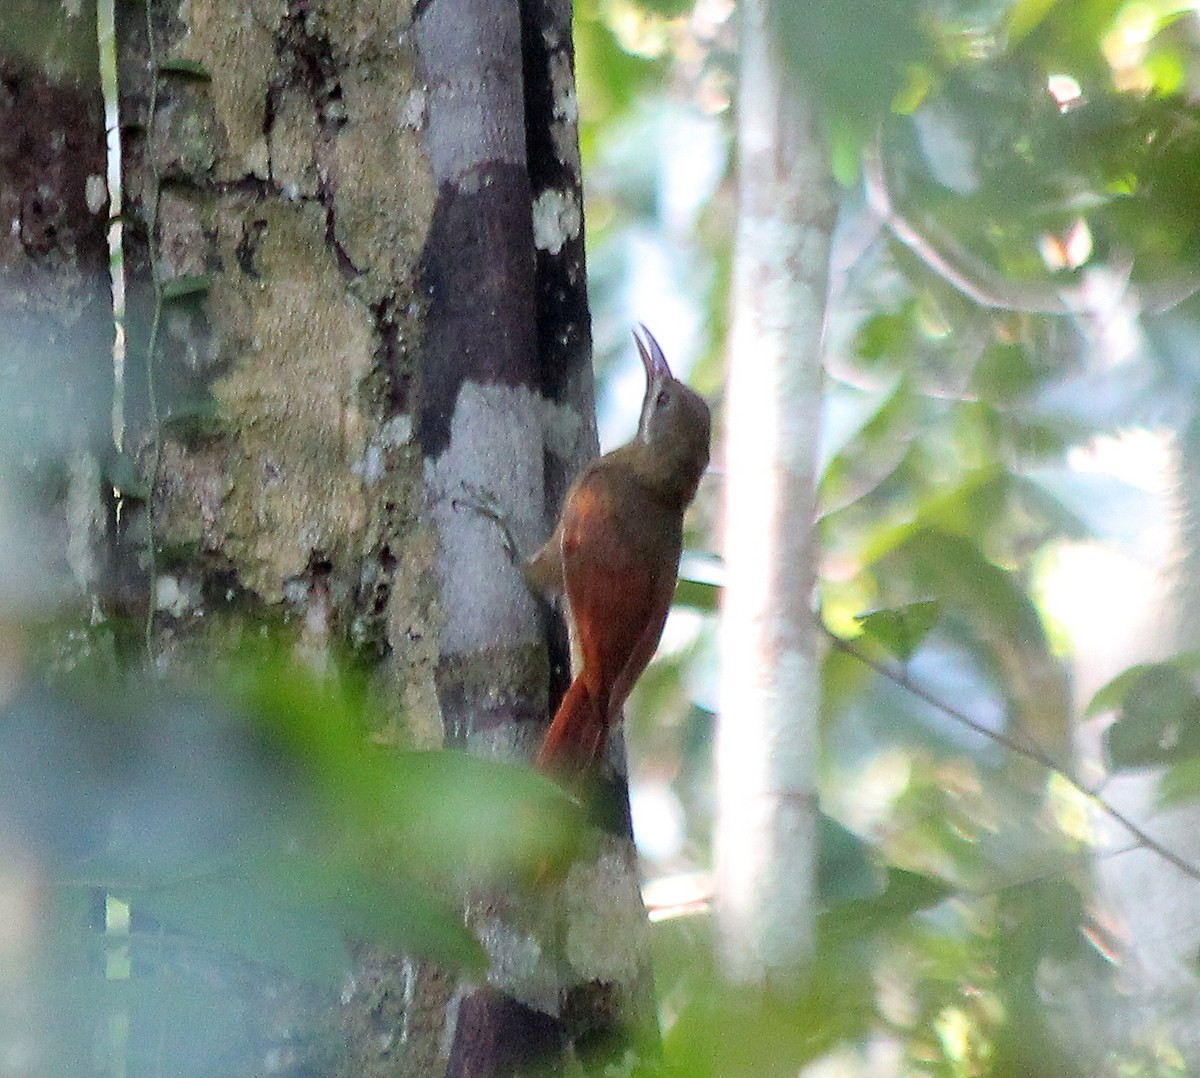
[484, 502]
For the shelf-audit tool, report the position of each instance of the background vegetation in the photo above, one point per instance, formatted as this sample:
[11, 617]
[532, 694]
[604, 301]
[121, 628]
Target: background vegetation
[1006, 519]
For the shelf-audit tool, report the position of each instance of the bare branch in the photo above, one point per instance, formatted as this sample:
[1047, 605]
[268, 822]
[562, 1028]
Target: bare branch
[900, 678]
[979, 282]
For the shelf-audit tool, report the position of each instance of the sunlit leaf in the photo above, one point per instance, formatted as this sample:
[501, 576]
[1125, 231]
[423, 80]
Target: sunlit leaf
[666, 8]
[609, 78]
[919, 82]
[700, 582]
[1159, 720]
[901, 629]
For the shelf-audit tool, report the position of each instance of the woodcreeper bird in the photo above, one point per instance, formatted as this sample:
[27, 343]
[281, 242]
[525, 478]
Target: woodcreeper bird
[615, 555]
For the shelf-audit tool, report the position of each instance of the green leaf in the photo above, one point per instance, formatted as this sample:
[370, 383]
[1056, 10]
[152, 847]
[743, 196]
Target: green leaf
[955, 571]
[886, 335]
[919, 83]
[846, 869]
[610, 80]
[700, 582]
[968, 509]
[906, 893]
[1005, 375]
[697, 594]
[297, 911]
[249, 914]
[1024, 16]
[666, 8]
[189, 68]
[192, 418]
[1111, 695]
[846, 412]
[482, 816]
[1159, 720]
[1180, 783]
[900, 630]
[121, 471]
[186, 285]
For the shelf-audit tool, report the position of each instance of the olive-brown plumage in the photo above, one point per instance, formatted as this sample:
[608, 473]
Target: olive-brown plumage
[615, 556]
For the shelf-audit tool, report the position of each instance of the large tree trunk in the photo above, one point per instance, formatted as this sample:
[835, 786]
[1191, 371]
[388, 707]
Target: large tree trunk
[356, 289]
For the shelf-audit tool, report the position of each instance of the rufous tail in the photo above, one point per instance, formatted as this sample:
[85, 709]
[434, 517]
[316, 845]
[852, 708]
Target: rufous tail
[577, 737]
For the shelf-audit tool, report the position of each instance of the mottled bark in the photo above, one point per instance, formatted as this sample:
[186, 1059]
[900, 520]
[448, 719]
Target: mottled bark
[506, 407]
[278, 196]
[767, 734]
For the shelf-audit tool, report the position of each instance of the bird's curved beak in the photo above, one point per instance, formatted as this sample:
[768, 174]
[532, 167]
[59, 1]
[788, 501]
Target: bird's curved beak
[652, 356]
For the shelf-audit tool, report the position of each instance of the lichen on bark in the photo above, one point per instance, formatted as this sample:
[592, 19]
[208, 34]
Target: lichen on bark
[234, 41]
[291, 394]
[296, 328]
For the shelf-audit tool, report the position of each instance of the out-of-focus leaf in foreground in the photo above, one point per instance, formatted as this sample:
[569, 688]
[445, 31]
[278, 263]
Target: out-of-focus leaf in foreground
[266, 823]
[1158, 720]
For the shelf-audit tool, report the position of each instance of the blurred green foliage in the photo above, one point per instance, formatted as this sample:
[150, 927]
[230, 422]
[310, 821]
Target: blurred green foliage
[253, 822]
[1047, 152]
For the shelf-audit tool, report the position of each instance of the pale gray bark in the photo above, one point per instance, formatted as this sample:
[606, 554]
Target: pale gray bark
[766, 749]
[1150, 905]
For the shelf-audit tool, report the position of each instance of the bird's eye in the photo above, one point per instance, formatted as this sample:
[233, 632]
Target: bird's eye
[664, 395]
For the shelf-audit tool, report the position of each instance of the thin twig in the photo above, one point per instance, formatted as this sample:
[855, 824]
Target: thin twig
[900, 678]
[986, 286]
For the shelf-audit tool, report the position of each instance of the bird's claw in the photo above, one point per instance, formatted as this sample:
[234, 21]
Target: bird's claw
[485, 503]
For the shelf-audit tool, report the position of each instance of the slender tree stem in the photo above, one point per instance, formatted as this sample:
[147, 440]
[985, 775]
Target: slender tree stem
[766, 741]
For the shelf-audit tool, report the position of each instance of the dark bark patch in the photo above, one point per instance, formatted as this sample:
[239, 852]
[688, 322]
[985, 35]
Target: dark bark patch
[563, 319]
[247, 247]
[477, 271]
[54, 302]
[497, 1036]
[393, 361]
[592, 1012]
[475, 699]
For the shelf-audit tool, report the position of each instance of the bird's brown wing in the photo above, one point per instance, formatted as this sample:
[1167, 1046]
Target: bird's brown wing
[619, 583]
